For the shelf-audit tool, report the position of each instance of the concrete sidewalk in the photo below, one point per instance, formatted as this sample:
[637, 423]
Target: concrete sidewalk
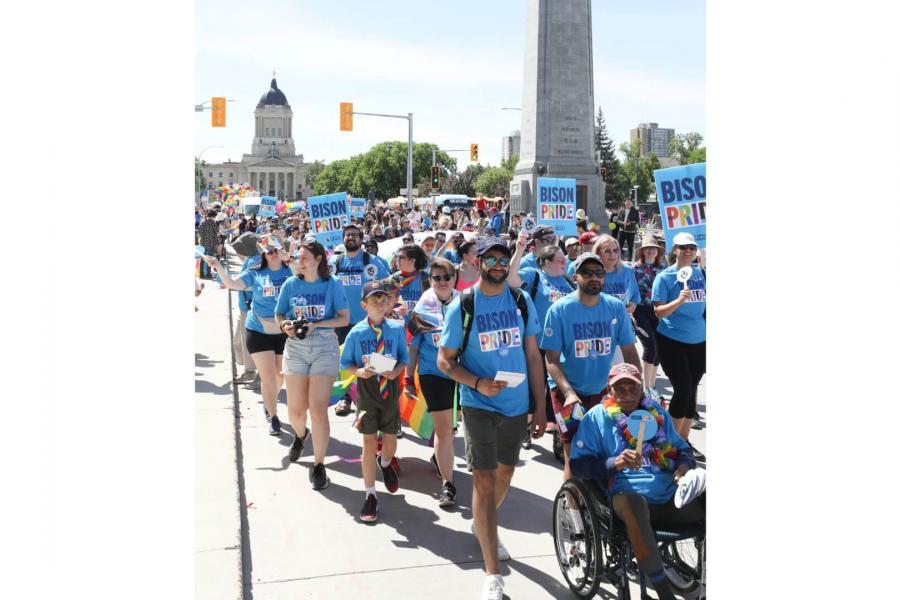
[299, 543]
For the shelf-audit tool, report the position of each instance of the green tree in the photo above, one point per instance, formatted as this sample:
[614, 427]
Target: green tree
[312, 171]
[611, 168]
[683, 144]
[494, 181]
[199, 175]
[697, 156]
[637, 169]
[510, 163]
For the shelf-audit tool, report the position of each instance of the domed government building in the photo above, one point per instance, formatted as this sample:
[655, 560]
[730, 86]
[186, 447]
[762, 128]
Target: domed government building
[272, 167]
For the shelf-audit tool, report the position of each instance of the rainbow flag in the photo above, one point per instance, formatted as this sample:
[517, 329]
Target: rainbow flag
[413, 411]
[345, 383]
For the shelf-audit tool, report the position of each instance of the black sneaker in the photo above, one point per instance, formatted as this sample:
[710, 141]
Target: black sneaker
[275, 426]
[369, 512]
[526, 440]
[448, 494]
[697, 454]
[297, 447]
[319, 479]
[400, 434]
[391, 480]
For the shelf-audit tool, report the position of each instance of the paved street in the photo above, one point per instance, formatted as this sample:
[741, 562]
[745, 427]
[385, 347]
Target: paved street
[298, 543]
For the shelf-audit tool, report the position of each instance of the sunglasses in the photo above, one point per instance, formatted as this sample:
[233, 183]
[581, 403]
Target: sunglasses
[441, 277]
[549, 240]
[493, 261]
[690, 247]
[272, 251]
[352, 235]
[592, 273]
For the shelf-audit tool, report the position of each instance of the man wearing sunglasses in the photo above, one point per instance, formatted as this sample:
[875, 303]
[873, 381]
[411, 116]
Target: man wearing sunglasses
[354, 268]
[494, 412]
[581, 333]
[543, 236]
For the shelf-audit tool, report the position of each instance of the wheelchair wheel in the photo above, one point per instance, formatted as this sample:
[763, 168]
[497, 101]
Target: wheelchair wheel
[576, 531]
[684, 562]
[558, 447]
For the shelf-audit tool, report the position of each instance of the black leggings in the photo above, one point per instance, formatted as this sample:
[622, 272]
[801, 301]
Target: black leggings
[684, 365]
[647, 320]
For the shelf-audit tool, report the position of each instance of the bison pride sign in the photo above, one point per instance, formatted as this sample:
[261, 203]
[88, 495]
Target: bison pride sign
[681, 193]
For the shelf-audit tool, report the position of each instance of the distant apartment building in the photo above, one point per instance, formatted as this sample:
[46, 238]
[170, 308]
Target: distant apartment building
[653, 139]
[511, 144]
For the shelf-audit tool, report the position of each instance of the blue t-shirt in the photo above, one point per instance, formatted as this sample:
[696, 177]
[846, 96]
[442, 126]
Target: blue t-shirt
[266, 285]
[315, 301]
[352, 273]
[452, 256]
[686, 324]
[261, 228]
[570, 269]
[549, 290]
[623, 285]
[597, 435]
[429, 341]
[496, 343]
[529, 261]
[245, 296]
[411, 293]
[361, 342]
[586, 338]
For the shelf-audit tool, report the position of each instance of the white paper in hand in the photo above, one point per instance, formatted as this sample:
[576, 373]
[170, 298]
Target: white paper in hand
[511, 378]
[381, 363]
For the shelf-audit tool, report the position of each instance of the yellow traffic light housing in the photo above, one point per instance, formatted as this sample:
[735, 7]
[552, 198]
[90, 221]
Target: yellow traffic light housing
[473, 152]
[435, 177]
[218, 112]
[346, 116]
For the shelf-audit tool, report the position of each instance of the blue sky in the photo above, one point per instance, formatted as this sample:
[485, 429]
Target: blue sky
[452, 64]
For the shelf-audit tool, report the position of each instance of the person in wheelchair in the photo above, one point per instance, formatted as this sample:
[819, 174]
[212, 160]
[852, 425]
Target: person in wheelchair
[642, 483]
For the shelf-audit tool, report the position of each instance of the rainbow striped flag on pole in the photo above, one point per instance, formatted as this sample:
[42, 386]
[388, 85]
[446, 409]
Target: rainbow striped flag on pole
[413, 411]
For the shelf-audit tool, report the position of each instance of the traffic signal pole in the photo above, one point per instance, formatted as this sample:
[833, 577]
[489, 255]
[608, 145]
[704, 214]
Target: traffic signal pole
[409, 150]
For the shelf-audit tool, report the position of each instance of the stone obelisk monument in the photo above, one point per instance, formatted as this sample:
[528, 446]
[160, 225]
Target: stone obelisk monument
[558, 106]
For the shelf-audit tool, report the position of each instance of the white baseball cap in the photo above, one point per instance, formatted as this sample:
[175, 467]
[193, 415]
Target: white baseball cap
[684, 239]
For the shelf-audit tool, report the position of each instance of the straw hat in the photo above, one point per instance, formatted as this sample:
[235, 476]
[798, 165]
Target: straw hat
[648, 241]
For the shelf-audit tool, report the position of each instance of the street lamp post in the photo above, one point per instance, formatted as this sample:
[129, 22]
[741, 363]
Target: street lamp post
[409, 150]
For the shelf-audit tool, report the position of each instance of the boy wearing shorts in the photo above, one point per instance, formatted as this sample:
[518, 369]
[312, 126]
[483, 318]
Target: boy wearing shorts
[378, 394]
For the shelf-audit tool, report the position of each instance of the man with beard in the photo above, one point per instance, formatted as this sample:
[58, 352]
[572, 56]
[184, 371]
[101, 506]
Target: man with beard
[502, 338]
[581, 333]
[354, 268]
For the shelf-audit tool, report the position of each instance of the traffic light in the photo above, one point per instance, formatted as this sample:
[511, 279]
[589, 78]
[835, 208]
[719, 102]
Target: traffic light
[218, 112]
[435, 177]
[346, 116]
[632, 193]
[473, 152]
[603, 173]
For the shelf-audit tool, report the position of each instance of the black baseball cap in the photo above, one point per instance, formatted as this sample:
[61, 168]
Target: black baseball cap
[486, 243]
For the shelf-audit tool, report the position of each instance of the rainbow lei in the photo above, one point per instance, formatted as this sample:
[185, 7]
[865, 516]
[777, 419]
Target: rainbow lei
[659, 449]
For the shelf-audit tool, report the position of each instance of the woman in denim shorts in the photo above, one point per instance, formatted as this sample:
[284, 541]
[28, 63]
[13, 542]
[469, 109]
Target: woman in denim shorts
[311, 359]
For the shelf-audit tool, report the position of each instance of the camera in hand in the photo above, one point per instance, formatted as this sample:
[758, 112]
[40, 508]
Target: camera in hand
[301, 327]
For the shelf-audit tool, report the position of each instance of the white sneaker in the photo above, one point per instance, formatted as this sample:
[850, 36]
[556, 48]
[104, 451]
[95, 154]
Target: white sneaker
[493, 588]
[502, 552]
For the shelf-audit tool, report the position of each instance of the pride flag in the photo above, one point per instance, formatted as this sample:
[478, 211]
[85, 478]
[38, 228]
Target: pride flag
[345, 383]
[413, 411]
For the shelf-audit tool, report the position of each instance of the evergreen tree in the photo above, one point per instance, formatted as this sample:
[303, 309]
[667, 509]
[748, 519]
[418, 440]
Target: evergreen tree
[611, 168]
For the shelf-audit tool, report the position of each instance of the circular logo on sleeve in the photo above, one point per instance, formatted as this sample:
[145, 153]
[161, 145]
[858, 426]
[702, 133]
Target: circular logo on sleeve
[371, 271]
[548, 331]
[580, 444]
[614, 321]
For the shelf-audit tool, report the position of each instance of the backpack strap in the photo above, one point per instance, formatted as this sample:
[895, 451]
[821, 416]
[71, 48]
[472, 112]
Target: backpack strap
[467, 305]
[365, 258]
[425, 282]
[519, 297]
[534, 285]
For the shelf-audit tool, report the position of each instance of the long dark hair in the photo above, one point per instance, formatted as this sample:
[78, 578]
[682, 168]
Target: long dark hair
[318, 250]
[417, 254]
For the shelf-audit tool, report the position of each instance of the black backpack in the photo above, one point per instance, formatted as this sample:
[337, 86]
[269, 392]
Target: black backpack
[467, 305]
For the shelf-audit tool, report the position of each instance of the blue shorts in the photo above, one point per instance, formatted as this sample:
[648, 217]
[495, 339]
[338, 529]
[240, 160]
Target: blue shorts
[317, 354]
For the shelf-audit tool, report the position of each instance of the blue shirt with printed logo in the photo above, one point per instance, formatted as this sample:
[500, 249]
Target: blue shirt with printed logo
[428, 343]
[362, 341]
[687, 323]
[316, 301]
[529, 261]
[598, 437]
[549, 289]
[351, 272]
[266, 285]
[622, 284]
[496, 343]
[586, 338]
